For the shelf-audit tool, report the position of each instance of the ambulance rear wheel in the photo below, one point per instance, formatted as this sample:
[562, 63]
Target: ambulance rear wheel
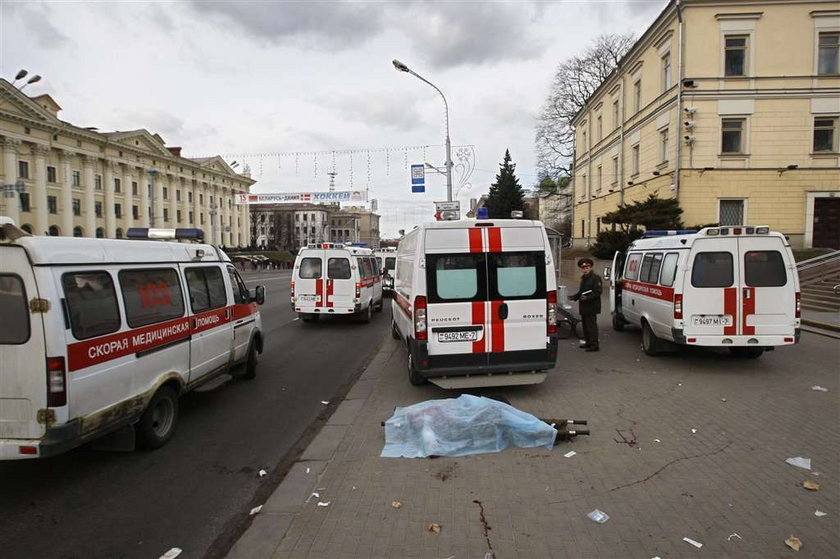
[618, 323]
[157, 424]
[251, 364]
[650, 343]
[367, 314]
[394, 332]
[381, 304]
[414, 377]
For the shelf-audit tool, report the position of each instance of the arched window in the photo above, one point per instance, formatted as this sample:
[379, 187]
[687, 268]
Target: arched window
[77, 232]
[119, 233]
[100, 233]
[54, 231]
[26, 227]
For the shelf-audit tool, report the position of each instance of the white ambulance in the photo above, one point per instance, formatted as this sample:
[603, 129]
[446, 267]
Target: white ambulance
[475, 302]
[100, 335]
[728, 287]
[333, 279]
[387, 259]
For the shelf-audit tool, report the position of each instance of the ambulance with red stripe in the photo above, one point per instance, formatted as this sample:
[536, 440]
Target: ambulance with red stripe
[475, 302]
[101, 336]
[334, 279]
[727, 287]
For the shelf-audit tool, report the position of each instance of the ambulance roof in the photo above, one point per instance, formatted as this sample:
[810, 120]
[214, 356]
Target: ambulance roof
[45, 250]
[677, 239]
[466, 223]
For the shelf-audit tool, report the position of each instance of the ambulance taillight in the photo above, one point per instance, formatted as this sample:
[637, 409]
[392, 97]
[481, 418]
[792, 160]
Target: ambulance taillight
[798, 306]
[551, 313]
[56, 382]
[358, 290]
[678, 306]
[420, 318]
[292, 288]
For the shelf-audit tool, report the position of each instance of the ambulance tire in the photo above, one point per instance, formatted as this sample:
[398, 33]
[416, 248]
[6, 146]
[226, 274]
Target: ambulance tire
[381, 304]
[394, 332]
[414, 377]
[650, 343]
[157, 424]
[618, 323]
[250, 369]
[366, 314]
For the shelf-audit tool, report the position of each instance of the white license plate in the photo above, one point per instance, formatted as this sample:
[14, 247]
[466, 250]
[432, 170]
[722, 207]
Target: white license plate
[306, 298]
[712, 320]
[469, 336]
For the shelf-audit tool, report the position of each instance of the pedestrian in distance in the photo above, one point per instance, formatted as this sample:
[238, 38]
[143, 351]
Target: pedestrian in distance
[588, 297]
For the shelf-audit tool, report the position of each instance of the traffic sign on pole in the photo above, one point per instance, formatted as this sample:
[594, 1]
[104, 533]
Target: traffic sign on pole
[418, 178]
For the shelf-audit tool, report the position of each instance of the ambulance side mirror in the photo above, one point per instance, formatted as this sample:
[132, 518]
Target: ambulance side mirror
[259, 295]
[607, 271]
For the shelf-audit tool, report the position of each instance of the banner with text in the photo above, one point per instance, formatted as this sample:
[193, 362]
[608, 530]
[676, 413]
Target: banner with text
[297, 197]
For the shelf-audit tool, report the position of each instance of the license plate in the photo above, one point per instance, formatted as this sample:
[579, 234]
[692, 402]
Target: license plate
[306, 298]
[469, 336]
[712, 320]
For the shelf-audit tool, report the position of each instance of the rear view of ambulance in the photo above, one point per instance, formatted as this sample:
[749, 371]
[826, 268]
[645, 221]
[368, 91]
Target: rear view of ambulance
[475, 303]
[726, 287]
[334, 279]
[99, 336]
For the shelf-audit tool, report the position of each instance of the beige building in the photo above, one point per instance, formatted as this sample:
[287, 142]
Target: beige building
[730, 106]
[355, 225]
[61, 179]
[292, 226]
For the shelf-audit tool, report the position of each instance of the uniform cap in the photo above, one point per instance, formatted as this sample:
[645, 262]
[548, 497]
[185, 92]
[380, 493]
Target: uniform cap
[583, 261]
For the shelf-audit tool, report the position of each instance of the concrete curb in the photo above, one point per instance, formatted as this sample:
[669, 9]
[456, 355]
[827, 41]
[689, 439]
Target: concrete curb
[821, 325]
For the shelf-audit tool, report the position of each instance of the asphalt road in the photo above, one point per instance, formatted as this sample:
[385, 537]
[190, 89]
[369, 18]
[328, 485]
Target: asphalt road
[195, 493]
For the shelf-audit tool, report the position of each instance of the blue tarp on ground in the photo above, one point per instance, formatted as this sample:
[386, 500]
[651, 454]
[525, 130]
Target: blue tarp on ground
[461, 426]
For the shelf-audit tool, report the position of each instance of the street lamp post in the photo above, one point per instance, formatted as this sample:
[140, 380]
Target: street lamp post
[403, 68]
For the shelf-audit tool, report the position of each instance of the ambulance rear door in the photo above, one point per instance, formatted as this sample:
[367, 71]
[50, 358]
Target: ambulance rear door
[711, 294]
[340, 283]
[23, 373]
[309, 279]
[768, 288]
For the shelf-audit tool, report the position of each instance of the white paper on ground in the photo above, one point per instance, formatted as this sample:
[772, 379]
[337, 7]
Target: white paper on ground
[172, 553]
[323, 504]
[325, 402]
[262, 473]
[819, 388]
[255, 510]
[820, 513]
[696, 544]
[800, 462]
[570, 454]
[598, 516]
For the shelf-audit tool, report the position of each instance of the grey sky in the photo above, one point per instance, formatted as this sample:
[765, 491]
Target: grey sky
[296, 78]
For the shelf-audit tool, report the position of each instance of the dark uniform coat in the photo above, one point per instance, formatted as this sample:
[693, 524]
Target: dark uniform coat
[589, 304]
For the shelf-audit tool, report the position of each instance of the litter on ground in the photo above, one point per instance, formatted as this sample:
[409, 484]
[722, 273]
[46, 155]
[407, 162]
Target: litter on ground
[794, 543]
[819, 388]
[696, 544]
[396, 504]
[462, 426]
[434, 528]
[323, 503]
[733, 535]
[598, 516]
[262, 473]
[255, 510]
[172, 553]
[569, 454]
[800, 462]
[812, 485]
[819, 513]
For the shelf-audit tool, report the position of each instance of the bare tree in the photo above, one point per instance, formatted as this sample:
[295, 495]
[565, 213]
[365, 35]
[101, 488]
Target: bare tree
[574, 82]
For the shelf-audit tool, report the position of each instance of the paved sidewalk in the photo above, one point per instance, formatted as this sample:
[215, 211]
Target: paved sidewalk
[727, 478]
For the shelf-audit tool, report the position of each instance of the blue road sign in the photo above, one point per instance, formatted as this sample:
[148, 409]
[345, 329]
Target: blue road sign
[418, 178]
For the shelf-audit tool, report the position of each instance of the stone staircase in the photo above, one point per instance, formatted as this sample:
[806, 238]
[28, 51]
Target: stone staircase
[819, 283]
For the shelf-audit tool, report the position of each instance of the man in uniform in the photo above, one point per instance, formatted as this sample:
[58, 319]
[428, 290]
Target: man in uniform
[588, 297]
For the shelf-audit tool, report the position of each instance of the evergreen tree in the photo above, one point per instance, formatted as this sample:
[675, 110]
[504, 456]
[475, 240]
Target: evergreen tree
[506, 193]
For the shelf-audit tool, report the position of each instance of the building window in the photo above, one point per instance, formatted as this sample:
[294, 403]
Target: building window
[825, 134]
[165, 193]
[731, 212]
[614, 170]
[77, 207]
[117, 185]
[77, 178]
[600, 178]
[585, 190]
[191, 217]
[51, 175]
[585, 146]
[189, 199]
[178, 214]
[634, 151]
[97, 182]
[52, 204]
[201, 216]
[637, 96]
[118, 210]
[600, 127]
[77, 231]
[616, 122]
[732, 135]
[735, 56]
[134, 188]
[100, 233]
[663, 146]
[828, 54]
[23, 169]
[178, 197]
[98, 208]
[201, 199]
[666, 72]
[166, 215]
[53, 231]
[135, 212]
[24, 202]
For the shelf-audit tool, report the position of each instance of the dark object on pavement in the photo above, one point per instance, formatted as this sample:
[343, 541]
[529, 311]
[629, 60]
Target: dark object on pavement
[567, 428]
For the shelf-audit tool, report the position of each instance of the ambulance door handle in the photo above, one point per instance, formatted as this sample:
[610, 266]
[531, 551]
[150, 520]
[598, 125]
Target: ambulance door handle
[227, 313]
[503, 311]
[746, 293]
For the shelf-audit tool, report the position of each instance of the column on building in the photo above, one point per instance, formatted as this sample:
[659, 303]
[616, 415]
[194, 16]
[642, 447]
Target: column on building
[196, 208]
[224, 202]
[89, 187]
[174, 185]
[143, 179]
[245, 228]
[10, 176]
[66, 206]
[213, 213]
[110, 200]
[234, 226]
[128, 197]
[157, 201]
[40, 191]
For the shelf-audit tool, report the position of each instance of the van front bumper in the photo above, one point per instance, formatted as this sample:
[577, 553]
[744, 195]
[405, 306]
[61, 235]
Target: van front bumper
[430, 366]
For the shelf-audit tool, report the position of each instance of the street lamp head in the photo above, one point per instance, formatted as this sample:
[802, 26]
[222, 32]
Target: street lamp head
[33, 79]
[20, 75]
[399, 65]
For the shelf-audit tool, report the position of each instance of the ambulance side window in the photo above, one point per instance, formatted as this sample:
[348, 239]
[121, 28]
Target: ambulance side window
[650, 267]
[390, 263]
[368, 268]
[338, 268]
[310, 268]
[764, 268]
[631, 269]
[240, 292]
[669, 269]
[151, 295]
[14, 312]
[92, 303]
[456, 277]
[207, 288]
[712, 269]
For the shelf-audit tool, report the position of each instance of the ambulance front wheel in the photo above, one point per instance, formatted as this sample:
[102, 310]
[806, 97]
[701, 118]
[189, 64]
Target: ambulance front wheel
[650, 343]
[414, 377]
[157, 424]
